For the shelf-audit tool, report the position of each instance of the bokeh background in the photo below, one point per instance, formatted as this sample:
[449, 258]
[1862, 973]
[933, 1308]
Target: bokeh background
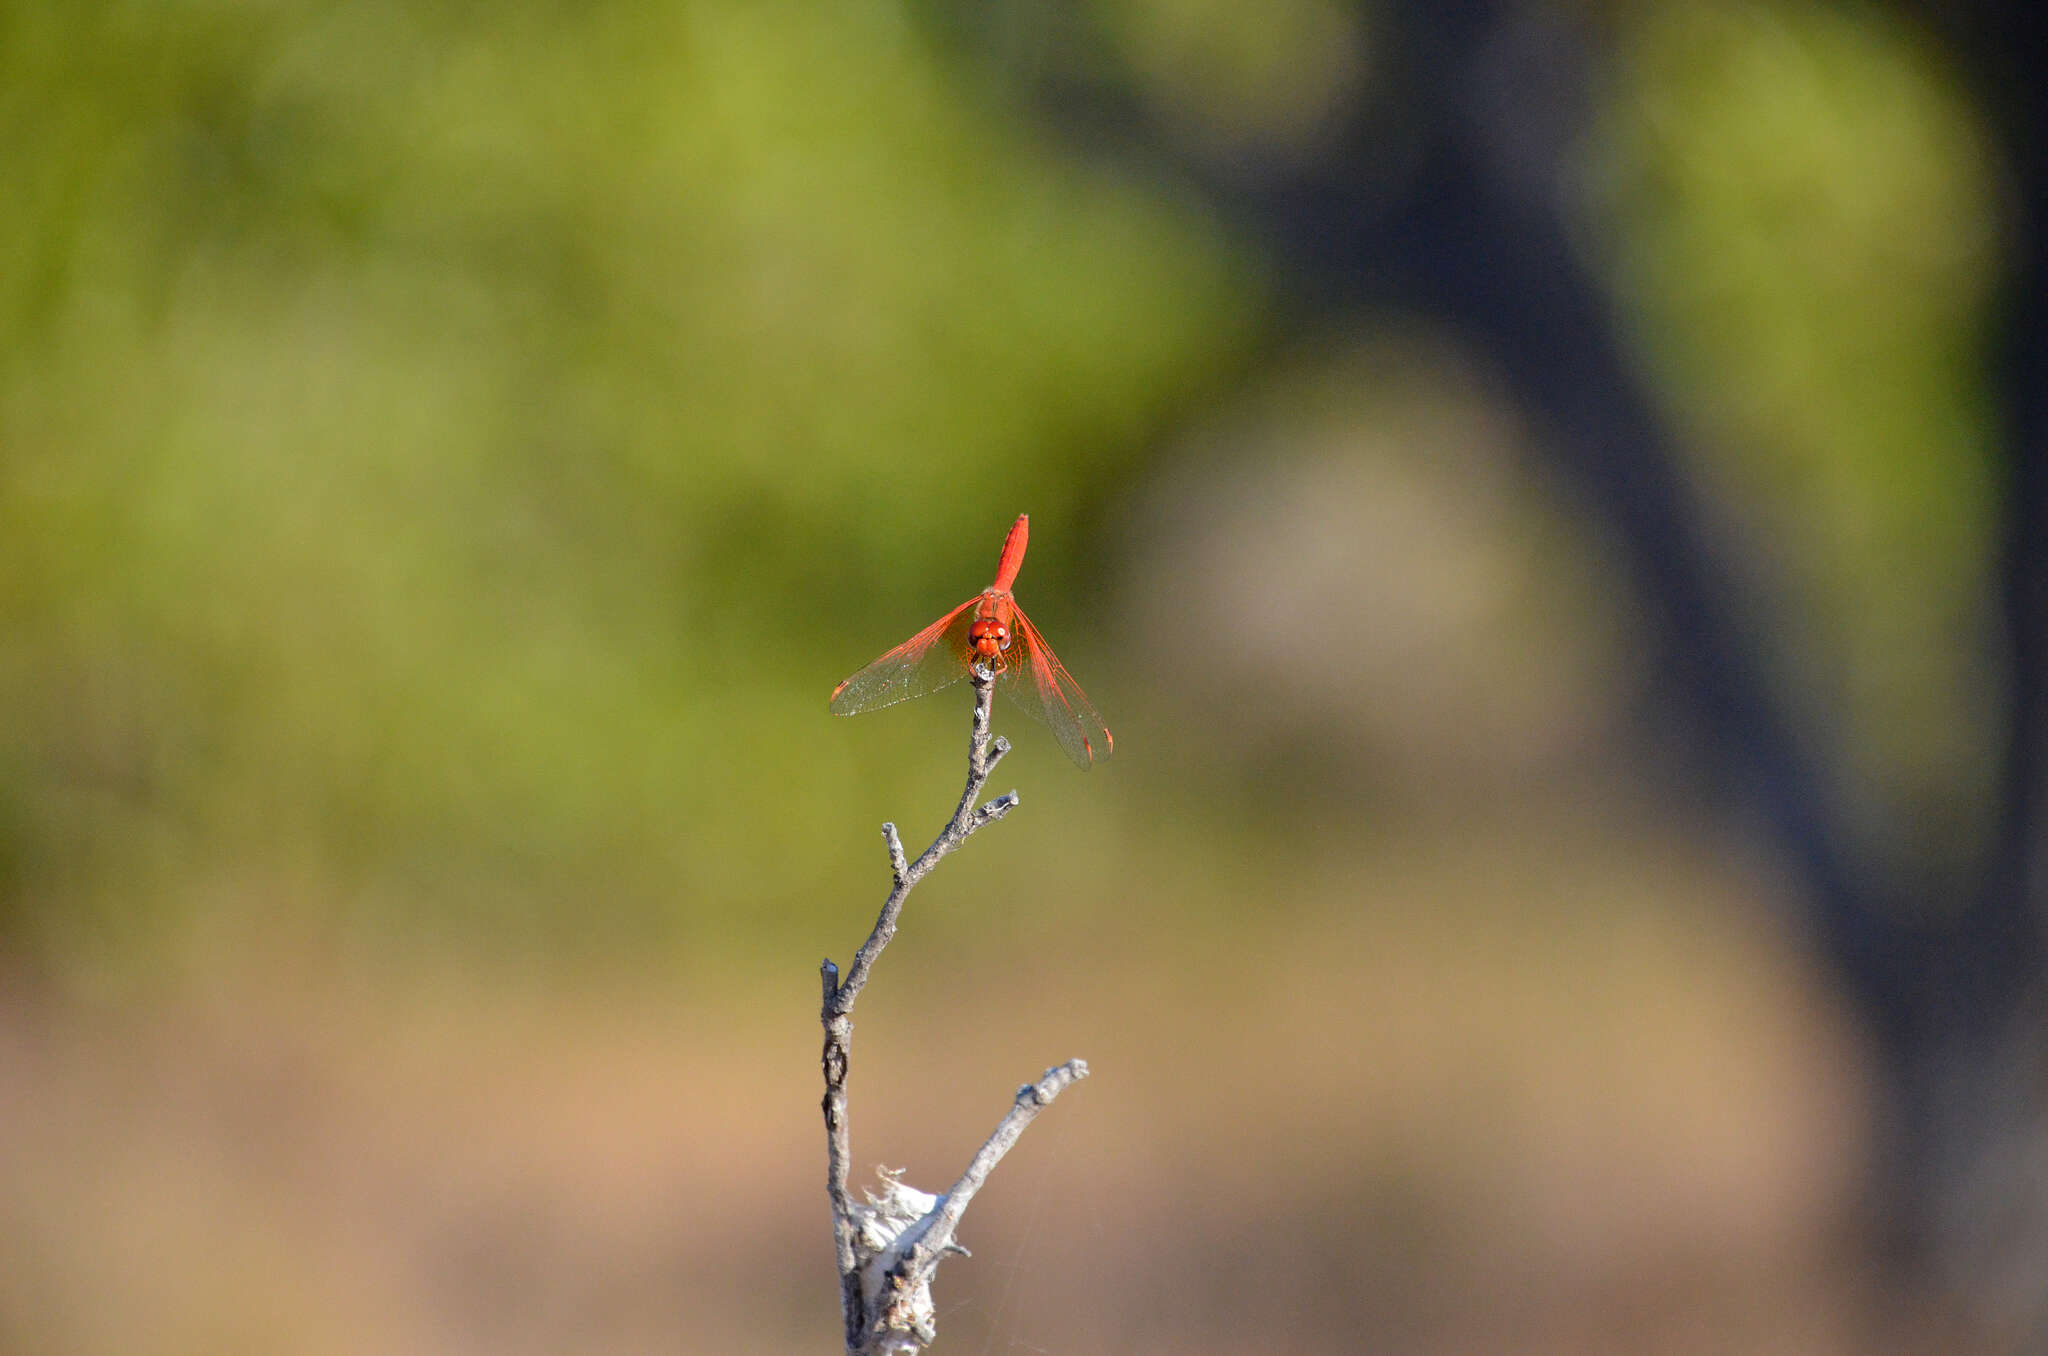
[1550, 498]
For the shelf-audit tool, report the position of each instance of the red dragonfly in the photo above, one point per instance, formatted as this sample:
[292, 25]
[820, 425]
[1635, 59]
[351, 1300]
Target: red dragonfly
[990, 629]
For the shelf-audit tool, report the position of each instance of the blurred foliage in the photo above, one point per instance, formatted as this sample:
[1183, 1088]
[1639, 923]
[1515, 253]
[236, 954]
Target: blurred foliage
[442, 445]
[1240, 79]
[1801, 219]
[447, 453]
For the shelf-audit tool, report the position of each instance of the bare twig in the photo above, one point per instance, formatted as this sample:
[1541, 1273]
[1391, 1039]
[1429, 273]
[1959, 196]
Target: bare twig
[982, 756]
[888, 1249]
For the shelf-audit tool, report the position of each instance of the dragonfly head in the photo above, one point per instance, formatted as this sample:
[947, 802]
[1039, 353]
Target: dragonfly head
[988, 638]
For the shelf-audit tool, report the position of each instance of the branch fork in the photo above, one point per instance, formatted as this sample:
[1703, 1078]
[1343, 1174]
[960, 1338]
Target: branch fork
[889, 1248]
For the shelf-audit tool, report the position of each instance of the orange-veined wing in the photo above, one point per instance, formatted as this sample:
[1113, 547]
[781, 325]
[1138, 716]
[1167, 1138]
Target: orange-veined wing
[1038, 683]
[933, 658]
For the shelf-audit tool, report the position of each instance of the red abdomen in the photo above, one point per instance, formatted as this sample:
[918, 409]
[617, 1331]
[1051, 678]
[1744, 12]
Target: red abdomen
[1013, 554]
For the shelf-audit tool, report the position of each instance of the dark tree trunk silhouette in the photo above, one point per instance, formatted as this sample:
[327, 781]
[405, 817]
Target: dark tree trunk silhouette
[1443, 194]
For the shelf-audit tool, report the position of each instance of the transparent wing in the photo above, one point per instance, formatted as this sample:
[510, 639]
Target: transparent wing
[933, 658]
[1040, 685]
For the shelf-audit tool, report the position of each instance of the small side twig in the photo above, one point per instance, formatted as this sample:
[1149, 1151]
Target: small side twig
[982, 756]
[888, 1249]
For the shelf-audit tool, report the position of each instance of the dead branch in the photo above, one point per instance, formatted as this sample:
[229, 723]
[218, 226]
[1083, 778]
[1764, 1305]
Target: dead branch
[889, 1247]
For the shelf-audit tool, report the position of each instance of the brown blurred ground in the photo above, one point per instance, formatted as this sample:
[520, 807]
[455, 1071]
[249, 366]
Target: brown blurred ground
[1420, 1123]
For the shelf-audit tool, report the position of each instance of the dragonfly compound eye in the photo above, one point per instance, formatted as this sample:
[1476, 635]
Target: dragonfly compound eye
[989, 637]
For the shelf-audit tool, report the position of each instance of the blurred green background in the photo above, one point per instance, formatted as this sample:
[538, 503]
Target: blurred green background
[448, 454]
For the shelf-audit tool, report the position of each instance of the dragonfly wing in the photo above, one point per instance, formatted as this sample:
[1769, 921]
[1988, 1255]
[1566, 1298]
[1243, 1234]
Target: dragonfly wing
[1043, 689]
[933, 658]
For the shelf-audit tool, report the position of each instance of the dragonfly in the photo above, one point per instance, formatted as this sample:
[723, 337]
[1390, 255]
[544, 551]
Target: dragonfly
[988, 629]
